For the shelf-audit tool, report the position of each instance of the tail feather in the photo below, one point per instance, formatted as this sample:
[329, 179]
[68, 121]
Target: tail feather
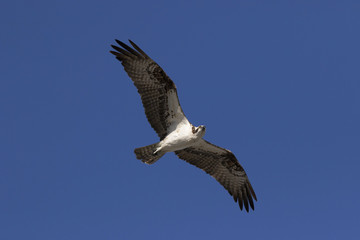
[146, 154]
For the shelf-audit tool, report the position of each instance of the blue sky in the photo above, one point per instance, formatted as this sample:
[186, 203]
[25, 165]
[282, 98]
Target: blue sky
[277, 82]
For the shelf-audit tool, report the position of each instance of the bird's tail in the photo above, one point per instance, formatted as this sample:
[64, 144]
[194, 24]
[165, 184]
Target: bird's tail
[147, 154]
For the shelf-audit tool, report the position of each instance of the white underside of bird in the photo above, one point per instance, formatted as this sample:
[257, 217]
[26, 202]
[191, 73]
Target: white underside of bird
[182, 137]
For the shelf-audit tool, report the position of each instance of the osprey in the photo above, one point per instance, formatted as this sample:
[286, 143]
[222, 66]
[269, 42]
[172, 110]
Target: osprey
[163, 111]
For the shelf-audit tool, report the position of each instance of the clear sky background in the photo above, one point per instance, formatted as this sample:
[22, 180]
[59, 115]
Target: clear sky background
[277, 82]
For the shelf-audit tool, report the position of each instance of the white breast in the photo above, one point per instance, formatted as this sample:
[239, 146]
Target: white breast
[181, 137]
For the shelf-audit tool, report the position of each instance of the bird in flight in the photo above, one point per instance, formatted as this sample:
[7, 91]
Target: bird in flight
[163, 111]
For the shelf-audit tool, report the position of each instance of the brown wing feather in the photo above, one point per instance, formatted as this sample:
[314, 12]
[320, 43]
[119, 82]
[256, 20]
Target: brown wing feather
[152, 83]
[224, 167]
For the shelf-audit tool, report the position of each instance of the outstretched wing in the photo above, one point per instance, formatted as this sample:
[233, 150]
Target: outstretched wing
[158, 92]
[224, 167]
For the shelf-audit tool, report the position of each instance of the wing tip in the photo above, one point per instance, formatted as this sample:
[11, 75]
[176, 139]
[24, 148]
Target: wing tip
[246, 203]
[251, 190]
[244, 200]
[130, 52]
[119, 42]
[138, 49]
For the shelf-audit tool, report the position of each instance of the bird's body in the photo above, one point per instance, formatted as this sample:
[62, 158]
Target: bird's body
[181, 137]
[162, 108]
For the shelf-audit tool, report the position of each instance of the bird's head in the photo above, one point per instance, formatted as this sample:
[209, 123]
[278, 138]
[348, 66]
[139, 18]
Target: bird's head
[200, 130]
